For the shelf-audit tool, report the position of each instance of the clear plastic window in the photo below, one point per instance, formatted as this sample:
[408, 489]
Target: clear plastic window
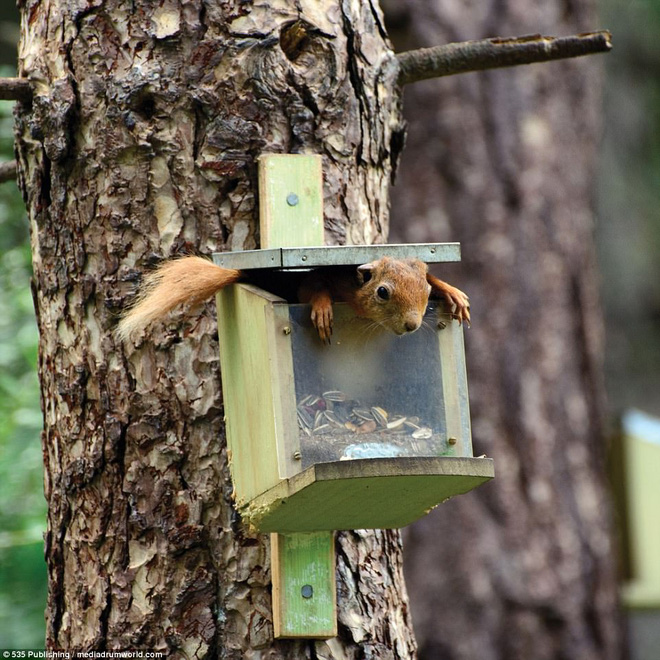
[370, 393]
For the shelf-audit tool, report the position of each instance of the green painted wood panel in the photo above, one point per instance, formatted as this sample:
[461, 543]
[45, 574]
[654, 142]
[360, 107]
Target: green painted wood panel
[290, 200]
[283, 388]
[304, 591]
[377, 493]
[248, 382]
[641, 444]
[454, 386]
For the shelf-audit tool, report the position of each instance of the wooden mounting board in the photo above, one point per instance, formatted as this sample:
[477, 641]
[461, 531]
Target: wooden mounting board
[290, 200]
[304, 589]
[291, 214]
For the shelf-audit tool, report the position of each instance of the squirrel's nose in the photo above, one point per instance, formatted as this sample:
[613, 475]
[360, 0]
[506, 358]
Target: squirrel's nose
[411, 326]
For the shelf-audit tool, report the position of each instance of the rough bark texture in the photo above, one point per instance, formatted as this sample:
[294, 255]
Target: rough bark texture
[140, 143]
[503, 162]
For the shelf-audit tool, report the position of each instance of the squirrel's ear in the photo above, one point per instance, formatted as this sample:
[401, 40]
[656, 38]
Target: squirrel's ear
[364, 272]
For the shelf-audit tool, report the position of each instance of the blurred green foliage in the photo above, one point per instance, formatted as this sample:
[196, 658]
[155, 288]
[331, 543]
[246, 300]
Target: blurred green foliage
[22, 503]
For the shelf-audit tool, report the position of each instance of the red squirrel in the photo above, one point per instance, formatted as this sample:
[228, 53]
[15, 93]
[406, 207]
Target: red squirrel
[391, 292]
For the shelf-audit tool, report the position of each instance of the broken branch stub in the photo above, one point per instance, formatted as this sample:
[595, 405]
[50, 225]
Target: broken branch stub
[466, 56]
[15, 89]
[7, 171]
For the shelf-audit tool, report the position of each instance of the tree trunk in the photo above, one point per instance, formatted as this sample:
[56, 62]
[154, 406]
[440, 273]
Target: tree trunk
[504, 162]
[141, 143]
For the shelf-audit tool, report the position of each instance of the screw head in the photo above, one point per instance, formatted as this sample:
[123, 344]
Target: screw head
[452, 441]
[307, 591]
[292, 199]
[286, 330]
[297, 455]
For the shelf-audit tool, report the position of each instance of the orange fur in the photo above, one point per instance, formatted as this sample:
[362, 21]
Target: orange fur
[459, 303]
[405, 280]
[190, 280]
[391, 292]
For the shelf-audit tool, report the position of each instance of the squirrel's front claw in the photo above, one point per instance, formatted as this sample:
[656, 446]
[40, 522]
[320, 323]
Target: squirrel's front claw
[322, 319]
[460, 304]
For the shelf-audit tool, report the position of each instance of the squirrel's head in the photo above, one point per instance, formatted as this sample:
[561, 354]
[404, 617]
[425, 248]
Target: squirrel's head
[394, 293]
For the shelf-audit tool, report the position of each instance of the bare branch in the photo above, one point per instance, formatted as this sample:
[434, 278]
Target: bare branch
[8, 171]
[494, 53]
[15, 89]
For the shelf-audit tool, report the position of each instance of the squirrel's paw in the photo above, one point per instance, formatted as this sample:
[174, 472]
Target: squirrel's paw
[459, 303]
[322, 319]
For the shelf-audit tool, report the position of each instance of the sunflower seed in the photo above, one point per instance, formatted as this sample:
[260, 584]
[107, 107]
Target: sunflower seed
[396, 423]
[305, 420]
[334, 420]
[363, 413]
[380, 415]
[334, 395]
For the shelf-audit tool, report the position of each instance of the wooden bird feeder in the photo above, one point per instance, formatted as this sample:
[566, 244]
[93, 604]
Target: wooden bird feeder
[371, 431]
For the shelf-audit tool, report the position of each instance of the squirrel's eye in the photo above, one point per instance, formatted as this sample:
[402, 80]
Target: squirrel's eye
[383, 293]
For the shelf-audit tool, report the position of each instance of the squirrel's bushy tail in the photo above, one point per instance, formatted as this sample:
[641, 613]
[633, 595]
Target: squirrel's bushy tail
[190, 280]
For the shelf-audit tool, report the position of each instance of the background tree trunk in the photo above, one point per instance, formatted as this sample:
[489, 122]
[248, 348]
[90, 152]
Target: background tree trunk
[141, 143]
[503, 162]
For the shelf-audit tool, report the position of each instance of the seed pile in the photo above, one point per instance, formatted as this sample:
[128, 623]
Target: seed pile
[349, 421]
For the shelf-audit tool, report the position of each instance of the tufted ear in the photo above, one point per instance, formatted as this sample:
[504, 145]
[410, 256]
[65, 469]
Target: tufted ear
[364, 272]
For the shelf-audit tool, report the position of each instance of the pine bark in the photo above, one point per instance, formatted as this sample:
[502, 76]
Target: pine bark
[504, 163]
[140, 142]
